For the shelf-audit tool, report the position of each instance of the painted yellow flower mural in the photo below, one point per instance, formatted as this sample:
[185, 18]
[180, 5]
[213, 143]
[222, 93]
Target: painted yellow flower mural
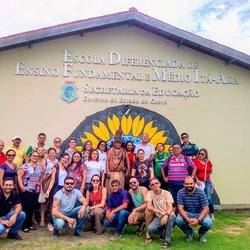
[132, 129]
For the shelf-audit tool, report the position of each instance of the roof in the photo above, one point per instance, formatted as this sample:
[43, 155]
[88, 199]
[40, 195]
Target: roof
[132, 18]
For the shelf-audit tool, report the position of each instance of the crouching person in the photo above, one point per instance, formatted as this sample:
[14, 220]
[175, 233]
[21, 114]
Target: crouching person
[138, 195]
[160, 203]
[193, 211]
[11, 214]
[64, 210]
[118, 209]
[96, 197]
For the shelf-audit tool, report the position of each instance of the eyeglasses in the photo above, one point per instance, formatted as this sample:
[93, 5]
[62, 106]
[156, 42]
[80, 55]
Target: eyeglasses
[10, 155]
[57, 141]
[184, 137]
[155, 183]
[95, 180]
[132, 182]
[69, 183]
[202, 153]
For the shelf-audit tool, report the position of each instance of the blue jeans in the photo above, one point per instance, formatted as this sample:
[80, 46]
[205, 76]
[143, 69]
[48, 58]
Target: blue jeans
[206, 223]
[17, 226]
[164, 230]
[207, 190]
[118, 221]
[59, 223]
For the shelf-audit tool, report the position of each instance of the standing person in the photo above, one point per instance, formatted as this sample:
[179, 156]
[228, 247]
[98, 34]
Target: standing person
[96, 198]
[64, 209]
[41, 139]
[2, 154]
[57, 142]
[147, 147]
[41, 159]
[77, 170]
[143, 169]
[160, 157]
[20, 151]
[72, 148]
[94, 166]
[102, 151]
[58, 174]
[8, 169]
[117, 164]
[188, 148]
[175, 169]
[138, 215]
[203, 176]
[118, 209]
[160, 204]
[11, 214]
[129, 147]
[86, 150]
[50, 162]
[29, 179]
[193, 210]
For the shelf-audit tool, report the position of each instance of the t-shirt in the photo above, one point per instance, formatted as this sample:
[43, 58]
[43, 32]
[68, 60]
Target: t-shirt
[160, 201]
[93, 167]
[148, 149]
[9, 172]
[190, 150]
[117, 199]
[142, 170]
[31, 178]
[200, 173]
[2, 158]
[76, 173]
[7, 204]
[67, 202]
[192, 203]
[158, 161]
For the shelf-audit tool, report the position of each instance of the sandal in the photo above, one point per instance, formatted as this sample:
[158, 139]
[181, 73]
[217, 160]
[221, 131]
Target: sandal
[148, 240]
[140, 229]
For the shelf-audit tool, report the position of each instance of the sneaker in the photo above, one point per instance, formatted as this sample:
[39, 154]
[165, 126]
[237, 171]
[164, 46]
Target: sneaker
[14, 236]
[56, 233]
[203, 238]
[190, 236]
[77, 234]
[115, 236]
[165, 244]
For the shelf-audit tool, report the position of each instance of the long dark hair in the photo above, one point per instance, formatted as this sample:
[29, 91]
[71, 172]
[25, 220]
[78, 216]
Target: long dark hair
[91, 188]
[78, 165]
[133, 148]
[99, 143]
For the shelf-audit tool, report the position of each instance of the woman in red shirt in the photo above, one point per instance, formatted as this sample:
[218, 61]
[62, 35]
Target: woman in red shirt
[96, 197]
[204, 170]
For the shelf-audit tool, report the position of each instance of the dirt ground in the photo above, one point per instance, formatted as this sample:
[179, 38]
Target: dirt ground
[42, 238]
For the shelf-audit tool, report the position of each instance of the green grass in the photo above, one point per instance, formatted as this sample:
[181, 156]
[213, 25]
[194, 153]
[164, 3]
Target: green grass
[230, 232]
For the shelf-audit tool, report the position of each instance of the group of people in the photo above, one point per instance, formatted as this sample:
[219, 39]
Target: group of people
[95, 189]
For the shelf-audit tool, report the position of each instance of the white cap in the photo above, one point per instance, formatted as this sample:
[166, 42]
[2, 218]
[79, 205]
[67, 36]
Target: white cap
[17, 137]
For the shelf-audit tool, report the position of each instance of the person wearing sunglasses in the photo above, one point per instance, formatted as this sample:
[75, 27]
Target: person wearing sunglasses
[64, 208]
[8, 169]
[96, 197]
[57, 146]
[160, 204]
[188, 148]
[203, 177]
[138, 215]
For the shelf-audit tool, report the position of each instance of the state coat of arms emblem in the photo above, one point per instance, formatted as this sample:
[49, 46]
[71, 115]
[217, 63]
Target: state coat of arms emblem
[69, 91]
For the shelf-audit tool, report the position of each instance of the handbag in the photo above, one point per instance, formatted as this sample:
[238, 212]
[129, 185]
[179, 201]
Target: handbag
[41, 197]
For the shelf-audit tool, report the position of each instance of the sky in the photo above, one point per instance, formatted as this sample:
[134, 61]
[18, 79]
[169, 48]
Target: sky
[224, 21]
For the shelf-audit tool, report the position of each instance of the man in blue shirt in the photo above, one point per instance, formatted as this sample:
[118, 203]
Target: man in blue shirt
[118, 209]
[64, 210]
[193, 210]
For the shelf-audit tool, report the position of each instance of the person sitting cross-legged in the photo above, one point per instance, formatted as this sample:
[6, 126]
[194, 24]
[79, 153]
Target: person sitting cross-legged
[11, 214]
[118, 209]
[193, 210]
[160, 203]
[64, 210]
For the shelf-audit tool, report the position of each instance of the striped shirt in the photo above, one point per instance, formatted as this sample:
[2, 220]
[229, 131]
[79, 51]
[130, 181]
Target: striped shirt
[192, 203]
[178, 168]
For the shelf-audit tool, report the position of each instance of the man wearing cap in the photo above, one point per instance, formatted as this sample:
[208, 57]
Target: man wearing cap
[2, 155]
[20, 151]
